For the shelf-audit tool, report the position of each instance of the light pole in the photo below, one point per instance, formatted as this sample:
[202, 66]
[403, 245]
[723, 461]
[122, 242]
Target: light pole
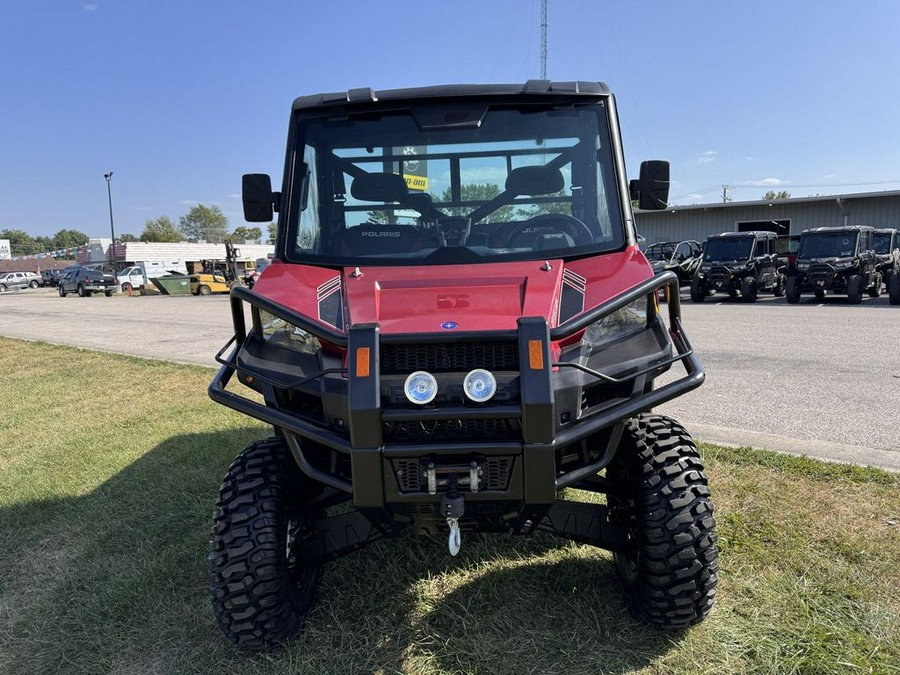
[112, 229]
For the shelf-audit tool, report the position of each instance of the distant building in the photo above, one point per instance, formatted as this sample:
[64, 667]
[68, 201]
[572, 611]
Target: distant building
[783, 216]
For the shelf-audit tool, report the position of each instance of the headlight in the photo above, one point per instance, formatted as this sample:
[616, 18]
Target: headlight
[420, 387]
[802, 266]
[277, 331]
[632, 318]
[843, 264]
[480, 385]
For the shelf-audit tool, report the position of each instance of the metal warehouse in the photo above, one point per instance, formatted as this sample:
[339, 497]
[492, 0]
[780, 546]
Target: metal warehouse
[784, 216]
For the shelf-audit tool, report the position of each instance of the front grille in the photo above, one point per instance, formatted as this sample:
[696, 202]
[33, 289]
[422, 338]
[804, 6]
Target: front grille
[449, 357]
[411, 477]
[452, 430]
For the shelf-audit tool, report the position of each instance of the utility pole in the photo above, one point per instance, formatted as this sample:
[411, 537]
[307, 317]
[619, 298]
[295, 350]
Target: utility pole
[543, 39]
[725, 197]
[112, 229]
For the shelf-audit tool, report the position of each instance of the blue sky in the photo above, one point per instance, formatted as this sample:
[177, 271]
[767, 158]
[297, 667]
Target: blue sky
[179, 98]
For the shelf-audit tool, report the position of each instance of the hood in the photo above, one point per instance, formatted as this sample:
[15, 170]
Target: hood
[437, 298]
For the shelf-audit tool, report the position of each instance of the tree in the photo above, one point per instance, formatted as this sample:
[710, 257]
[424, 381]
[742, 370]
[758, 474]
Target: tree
[273, 230]
[161, 229]
[125, 238]
[244, 233]
[20, 242]
[204, 222]
[69, 239]
[771, 196]
[479, 192]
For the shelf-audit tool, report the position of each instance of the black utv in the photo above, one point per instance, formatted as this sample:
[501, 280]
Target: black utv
[738, 263]
[887, 248]
[838, 260]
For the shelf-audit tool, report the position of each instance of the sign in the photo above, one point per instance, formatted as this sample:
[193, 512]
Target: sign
[5, 250]
[414, 170]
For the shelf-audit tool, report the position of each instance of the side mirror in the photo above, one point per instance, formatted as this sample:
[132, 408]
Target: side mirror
[256, 189]
[651, 190]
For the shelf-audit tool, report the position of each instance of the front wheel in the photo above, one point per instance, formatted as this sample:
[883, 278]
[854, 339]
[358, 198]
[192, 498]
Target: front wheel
[875, 289]
[62, 291]
[855, 289]
[670, 565]
[2, 288]
[749, 289]
[261, 594]
[894, 288]
[33, 284]
[698, 293]
[792, 290]
[778, 288]
[203, 290]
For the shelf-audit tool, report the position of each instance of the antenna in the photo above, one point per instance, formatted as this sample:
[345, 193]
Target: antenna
[543, 39]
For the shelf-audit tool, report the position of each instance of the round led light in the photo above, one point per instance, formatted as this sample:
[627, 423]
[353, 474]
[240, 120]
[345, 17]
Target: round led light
[480, 385]
[420, 387]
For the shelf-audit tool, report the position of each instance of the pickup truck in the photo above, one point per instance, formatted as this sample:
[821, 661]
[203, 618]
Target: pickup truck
[12, 280]
[85, 282]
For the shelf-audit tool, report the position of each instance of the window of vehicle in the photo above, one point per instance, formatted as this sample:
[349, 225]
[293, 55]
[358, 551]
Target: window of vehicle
[399, 187]
[728, 248]
[828, 245]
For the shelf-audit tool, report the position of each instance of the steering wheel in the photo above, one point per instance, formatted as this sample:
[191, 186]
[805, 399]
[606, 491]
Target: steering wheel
[549, 222]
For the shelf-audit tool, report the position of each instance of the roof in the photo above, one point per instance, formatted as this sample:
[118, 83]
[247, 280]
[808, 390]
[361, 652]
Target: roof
[740, 235]
[531, 87]
[789, 200]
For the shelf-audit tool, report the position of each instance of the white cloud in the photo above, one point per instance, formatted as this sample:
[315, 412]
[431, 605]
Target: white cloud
[233, 195]
[188, 202]
[766, 182]
[694, 195]
[705, 158]
[89, 6]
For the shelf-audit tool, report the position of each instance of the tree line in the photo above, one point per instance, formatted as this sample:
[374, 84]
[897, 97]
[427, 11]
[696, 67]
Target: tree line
[206, 223]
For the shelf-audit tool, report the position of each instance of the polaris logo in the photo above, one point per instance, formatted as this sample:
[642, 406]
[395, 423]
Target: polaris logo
[380, 233]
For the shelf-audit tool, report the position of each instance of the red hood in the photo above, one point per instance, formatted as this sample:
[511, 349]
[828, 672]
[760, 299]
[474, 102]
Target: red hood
[429, 299]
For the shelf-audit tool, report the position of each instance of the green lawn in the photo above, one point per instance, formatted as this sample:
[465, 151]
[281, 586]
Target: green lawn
[110, 466]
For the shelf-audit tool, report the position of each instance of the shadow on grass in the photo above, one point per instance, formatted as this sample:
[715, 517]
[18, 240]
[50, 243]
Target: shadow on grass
[116, 581]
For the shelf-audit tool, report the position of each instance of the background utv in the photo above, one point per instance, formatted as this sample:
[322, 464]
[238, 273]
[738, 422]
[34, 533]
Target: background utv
[457, 326]
[835, 260]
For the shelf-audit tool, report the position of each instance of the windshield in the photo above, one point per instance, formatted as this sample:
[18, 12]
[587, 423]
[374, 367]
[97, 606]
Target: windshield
[413, 187]
[827, 245]
[882, 242]
[728, 248]
[660, 252]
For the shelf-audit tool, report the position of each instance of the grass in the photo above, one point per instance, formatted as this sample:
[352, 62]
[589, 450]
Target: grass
[109, 468]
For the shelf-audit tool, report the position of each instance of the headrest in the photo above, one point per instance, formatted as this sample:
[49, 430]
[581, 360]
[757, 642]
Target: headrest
[379, 187]
[534, 180]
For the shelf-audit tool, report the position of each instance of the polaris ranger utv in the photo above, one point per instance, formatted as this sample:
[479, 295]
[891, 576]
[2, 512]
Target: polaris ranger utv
[835, 259]
[457, 334]
[738, 263]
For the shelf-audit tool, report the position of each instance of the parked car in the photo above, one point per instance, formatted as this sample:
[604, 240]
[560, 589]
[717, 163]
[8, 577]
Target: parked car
[683, 258]
[738, 263]
[85, 282]
[19, 280]
[49, 277]
[836, 260]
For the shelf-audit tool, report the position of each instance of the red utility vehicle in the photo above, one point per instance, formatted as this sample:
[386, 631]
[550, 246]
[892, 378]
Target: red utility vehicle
[457, 333]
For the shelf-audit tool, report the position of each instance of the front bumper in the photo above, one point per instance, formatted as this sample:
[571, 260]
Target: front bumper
[340, 420]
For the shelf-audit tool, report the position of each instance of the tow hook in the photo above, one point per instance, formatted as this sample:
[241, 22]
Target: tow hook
[452, 508]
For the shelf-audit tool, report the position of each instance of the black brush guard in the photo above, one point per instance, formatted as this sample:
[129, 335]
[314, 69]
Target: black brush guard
[369, 456]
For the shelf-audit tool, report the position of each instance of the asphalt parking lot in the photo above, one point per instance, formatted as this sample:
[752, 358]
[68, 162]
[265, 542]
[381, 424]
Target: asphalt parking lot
[818, 378]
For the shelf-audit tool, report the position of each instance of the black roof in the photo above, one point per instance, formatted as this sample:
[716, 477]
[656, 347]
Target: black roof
[531, 87]
[756, 234]
[847, 228]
